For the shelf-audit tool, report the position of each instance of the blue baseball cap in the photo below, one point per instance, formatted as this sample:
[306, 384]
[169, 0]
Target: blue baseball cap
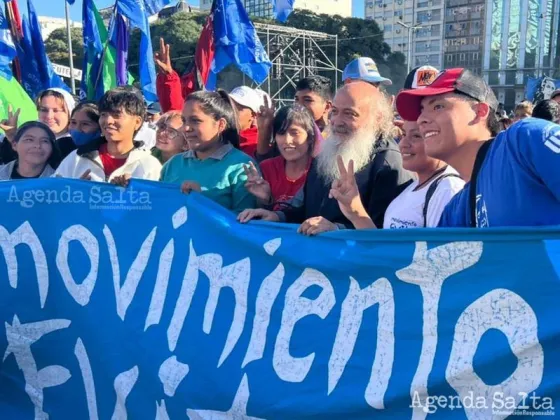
[364, 68]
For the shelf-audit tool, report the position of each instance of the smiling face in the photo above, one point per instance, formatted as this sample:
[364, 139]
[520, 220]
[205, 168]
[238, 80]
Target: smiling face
[53, 112]
[202, 131]
[352, 110]
[34, 147]
[293, 144]
[412, 148]
[447, 122]
[170, 138]
[119, 126]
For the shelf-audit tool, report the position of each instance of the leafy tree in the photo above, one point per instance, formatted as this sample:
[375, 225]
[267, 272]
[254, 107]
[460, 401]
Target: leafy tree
[356, 37]
[56, 46]
[180, 31]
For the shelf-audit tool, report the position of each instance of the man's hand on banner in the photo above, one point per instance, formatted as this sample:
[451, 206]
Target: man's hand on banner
[316, 225]
[262, 214]
[345, 191]
[10, 124]
[163, 57]
[189, 186]
[256, 184]
[121, 180]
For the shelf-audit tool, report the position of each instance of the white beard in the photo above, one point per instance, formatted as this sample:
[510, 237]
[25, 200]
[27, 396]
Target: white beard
[358, 148]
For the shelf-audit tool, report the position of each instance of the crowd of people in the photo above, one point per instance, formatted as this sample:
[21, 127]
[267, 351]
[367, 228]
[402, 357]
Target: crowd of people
[440, 154]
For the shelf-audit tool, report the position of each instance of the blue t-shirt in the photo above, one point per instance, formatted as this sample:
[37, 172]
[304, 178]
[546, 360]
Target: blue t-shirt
[518, 183]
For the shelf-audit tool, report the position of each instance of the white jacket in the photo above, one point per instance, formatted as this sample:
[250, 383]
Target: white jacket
[139, 164]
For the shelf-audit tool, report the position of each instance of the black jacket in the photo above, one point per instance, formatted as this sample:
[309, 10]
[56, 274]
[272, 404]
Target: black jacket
[379, 182]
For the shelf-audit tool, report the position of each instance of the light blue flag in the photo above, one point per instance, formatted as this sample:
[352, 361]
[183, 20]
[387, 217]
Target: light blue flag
[236, 42]
[282, 9]
[7, 48]
[154, 6]
[137, 12]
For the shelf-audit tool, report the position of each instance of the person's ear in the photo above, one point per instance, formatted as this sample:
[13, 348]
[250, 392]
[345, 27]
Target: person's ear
[482, 111]
[138, 121]
[222, 125]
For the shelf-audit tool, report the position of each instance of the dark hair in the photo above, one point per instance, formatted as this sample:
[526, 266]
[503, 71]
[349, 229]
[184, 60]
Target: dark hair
[218, 105]
[123, 98]
[505, 123]
[90, 108]
[288, 115]
[320, 85]
[547, 110]
[492, 123]
[54, 158]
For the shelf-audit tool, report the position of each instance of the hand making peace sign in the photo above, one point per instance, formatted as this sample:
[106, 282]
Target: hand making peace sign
[256, 184]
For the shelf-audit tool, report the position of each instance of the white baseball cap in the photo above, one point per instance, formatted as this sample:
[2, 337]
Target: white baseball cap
[265, 98]
[245, 96]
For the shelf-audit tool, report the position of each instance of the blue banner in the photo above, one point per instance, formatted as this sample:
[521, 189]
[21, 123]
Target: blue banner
[144, 303]
[540, 89]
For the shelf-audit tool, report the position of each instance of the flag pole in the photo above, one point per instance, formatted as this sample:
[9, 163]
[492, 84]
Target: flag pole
[111, 22]
[69, 34]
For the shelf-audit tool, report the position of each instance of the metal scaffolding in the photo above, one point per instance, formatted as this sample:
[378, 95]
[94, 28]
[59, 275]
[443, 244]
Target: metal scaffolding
[295, 54]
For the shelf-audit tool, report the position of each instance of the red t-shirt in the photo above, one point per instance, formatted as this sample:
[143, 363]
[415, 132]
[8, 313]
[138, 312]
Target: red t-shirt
[283, 189]
[248, 140]
[110, 164]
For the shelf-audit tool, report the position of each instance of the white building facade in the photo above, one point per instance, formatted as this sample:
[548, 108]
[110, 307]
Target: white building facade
[427, 40]
[49, 24]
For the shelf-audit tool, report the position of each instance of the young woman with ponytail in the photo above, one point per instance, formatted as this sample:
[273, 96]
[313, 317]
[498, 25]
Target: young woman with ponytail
[214, 165]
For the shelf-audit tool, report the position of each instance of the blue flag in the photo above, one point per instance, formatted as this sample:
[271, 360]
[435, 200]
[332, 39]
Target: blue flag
[137, 12]
[154, 6]
[144, 303]
[236, 42]
[282, 9]
[7, 48]
[37, 73]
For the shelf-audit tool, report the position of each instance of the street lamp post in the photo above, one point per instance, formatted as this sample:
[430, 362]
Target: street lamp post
[411, 29]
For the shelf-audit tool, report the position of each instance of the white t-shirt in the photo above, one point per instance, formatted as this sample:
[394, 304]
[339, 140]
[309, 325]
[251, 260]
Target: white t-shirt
[405, 211]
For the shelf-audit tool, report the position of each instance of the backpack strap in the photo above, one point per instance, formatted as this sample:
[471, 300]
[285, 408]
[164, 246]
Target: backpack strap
[431, 190]
[480, 156]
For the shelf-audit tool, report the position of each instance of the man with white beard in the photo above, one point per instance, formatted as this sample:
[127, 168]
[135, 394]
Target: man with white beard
[361, 127]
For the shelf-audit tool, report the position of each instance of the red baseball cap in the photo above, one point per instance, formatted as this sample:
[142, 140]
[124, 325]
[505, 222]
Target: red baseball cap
[452, 80]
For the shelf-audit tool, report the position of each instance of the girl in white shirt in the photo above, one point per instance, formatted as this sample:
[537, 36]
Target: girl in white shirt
[436, 181]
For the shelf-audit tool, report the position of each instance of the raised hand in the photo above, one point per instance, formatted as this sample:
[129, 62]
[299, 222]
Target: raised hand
[189, 186]
[262, 214]
[163, 57]
[345, 191]
[265, 117]
[10, 124]
[256, 184]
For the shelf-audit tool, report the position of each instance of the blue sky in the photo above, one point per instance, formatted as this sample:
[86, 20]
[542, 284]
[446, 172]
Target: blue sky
[55, 8]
